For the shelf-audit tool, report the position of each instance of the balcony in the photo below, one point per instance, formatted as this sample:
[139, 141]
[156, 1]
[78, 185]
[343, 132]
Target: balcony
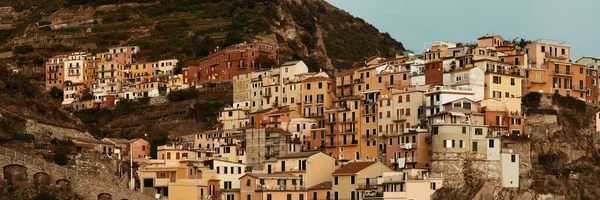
[411, 159]
[348, 131]
[330, 121]
[344, 83]
[368, 112]
[399, 118]
[555, 55]
[280, 187]
[441, 122]
[563, 73]
[359, 80]
[266, 94]
[348, 120]
[309, 102]
[579, 88]
[351, 143]
[408, 146]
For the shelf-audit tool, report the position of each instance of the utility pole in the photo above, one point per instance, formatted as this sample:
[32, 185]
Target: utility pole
[131, 180]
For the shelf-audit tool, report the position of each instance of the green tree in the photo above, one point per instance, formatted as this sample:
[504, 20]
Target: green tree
[264, 62]
[61, 158]
[56, 93]
[23, 49]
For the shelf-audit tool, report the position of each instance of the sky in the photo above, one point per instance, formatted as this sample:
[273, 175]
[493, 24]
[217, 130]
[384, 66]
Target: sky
[415, 22]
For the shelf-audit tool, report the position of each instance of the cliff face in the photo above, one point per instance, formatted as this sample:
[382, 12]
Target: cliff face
[313, 30]
[558, 160]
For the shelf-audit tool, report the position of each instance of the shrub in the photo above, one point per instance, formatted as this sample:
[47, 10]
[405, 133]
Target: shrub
[553, 162]
[531, 100]
[182, 95]
[61, 158]
[23, 49]
[56, 93]
[569, 102]
[264, 62]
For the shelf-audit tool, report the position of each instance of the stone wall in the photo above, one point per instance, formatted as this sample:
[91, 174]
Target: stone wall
[46, 131]
[460, 169]
[88, 186]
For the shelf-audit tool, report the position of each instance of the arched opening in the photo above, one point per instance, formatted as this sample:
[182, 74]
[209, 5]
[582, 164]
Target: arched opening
[15, 173]
[104, 196]
[63, 183]
[41, 178]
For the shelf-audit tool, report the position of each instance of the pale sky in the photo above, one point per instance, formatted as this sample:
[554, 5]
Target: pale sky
[414, 22]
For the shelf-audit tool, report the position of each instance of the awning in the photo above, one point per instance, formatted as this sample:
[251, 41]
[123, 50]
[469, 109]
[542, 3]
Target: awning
[457, 114]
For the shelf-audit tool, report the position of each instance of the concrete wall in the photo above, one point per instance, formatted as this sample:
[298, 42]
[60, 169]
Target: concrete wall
[510, 170]
[458, 168]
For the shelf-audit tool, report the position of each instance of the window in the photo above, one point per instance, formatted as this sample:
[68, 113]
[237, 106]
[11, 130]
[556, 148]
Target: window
[320, 85]
[474, 146]
[300, 196]
[497, 80]
[352, 180]
[248, 197]
[308, 86]
[460, 144]
[248, 182]
[269, 197]
[434, 130]
[478, 131]
[148, 182]
[543, 48]
[491, 143]
[433, 186]
[497, 94]
[513, 158]
[289, 196]
[379, 79]
[512, 81]
[335, 180]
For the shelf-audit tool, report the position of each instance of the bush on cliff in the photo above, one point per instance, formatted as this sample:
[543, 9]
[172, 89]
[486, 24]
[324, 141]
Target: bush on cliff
[531, 100]
[182, 95]
[61, 158]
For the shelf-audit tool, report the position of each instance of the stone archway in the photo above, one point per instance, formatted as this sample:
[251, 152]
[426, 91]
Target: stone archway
[15, 173]
[41, 178]
[104, 196]
[63, 183]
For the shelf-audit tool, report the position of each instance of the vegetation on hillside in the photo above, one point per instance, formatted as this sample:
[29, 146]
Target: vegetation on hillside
[191, 29]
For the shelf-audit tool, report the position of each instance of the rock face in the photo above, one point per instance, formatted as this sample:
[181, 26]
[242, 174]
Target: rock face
[45, 131]
[490, 191]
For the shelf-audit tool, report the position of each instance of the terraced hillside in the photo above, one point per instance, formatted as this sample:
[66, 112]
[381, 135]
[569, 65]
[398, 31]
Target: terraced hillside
[313, 30]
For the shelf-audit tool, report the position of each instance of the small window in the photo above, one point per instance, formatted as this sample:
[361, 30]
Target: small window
[335, 180]
[513, 158]
[491, 143]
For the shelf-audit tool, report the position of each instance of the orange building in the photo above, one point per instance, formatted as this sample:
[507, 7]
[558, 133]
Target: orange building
[591, 80]
[54, 71]
[233, 60]
[434, 73]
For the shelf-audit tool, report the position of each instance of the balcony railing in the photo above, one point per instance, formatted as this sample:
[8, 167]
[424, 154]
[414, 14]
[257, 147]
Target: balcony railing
[579, 87]
[346, 143]
[280, 187]
[399, 118]
[408, 146]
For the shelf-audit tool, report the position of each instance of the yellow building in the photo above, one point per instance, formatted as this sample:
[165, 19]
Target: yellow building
[353, 180]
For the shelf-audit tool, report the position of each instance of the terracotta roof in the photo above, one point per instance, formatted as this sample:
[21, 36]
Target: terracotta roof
[300, 154]
[314, 79]
[291, 63]
[323, 185]
[354, 167]
[345, 72]
[119, 140]
[275, 130]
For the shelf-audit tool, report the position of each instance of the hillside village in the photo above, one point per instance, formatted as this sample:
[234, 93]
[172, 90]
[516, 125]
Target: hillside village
[396, 128]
